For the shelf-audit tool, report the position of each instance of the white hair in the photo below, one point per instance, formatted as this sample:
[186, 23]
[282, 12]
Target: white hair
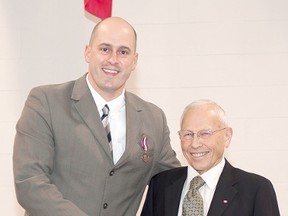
[203, 102]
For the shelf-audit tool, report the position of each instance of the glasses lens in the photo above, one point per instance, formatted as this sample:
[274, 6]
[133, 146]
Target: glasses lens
[186, 135]
[205, 134]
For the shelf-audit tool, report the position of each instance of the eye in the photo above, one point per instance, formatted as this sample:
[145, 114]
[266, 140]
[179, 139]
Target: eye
[105, 50]
[205, 134]
[124, 52]
[188, 134]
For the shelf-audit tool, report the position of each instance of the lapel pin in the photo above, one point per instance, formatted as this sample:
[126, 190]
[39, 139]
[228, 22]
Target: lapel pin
[225, 201]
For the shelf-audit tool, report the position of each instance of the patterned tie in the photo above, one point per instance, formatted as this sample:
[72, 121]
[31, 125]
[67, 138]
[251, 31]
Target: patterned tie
[193, 202]
[104, 119]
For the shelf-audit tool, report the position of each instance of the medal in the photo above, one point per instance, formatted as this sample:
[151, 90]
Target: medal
[144, 144]
[145, 157]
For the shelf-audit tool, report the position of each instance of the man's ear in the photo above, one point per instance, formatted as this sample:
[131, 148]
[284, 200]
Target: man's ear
[228, 136]
[87, 53]
[135, 61]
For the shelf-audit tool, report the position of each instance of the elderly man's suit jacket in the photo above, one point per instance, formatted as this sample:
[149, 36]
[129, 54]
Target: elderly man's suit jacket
[62, 161]
[238, 193]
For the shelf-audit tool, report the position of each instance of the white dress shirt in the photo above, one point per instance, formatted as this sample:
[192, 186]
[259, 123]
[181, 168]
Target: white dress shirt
[210, 177]
[116, 118]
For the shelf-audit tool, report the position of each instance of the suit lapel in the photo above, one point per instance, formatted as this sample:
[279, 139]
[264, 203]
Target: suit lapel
[224, 193]
[87, 109]
[173, 193]
[134, 123]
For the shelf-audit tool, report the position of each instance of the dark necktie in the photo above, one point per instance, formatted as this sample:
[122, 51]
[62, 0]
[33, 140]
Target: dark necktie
[193, 202]
[105, 121]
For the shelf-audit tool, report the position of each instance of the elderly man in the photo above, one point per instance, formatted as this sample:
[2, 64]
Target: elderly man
[210, 185]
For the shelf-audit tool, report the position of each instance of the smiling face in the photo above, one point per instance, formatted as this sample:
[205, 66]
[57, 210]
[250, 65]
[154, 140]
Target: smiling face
[111, 56]
[203, 154]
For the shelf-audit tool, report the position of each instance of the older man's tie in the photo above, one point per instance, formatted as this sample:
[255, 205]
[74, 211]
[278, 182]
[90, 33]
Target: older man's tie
[193, 202]
[106, 125]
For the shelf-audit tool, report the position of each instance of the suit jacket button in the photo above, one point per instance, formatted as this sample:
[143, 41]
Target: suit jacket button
[112, 173]
[105, 205]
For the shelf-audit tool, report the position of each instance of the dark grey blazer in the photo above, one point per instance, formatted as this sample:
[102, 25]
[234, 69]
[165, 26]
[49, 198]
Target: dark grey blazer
[245, 194]
[62, 162]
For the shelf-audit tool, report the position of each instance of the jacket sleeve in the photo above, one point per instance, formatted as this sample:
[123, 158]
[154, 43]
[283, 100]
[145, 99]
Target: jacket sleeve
[167, 157]
[33, 162]
[266, 200]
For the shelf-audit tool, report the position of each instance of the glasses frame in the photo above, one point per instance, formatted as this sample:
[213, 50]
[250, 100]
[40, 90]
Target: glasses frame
[198, 134]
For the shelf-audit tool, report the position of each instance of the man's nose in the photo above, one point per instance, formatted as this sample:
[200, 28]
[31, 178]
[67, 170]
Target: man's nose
[113, 58]
[196, 141]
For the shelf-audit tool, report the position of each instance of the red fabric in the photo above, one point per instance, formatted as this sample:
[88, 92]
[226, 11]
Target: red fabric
[99, 8]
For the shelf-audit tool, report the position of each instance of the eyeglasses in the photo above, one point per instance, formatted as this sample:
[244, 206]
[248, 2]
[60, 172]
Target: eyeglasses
[187, 135]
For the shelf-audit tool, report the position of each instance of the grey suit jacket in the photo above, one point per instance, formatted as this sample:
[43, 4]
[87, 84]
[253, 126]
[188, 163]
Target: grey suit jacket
[61, 160]
[238, 193]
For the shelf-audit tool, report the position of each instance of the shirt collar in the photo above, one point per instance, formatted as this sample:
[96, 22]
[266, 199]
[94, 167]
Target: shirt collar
[210, 177]
[114, 105]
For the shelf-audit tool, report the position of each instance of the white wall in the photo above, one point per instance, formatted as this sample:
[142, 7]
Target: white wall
[233, 52]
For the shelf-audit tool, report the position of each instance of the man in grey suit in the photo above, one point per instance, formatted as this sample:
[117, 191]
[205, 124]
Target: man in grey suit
[225, 191]
[63, 163]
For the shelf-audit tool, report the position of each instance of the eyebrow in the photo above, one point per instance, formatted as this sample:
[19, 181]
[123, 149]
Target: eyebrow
[121, 47]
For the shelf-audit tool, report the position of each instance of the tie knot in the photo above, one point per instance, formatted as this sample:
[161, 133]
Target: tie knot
[105, 110]
[196, 183]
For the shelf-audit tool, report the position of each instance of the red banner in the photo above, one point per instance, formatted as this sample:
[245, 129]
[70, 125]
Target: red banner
[99, 8]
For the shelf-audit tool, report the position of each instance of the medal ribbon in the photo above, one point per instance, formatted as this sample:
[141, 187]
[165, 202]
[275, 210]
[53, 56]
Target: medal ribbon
[144, 143]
